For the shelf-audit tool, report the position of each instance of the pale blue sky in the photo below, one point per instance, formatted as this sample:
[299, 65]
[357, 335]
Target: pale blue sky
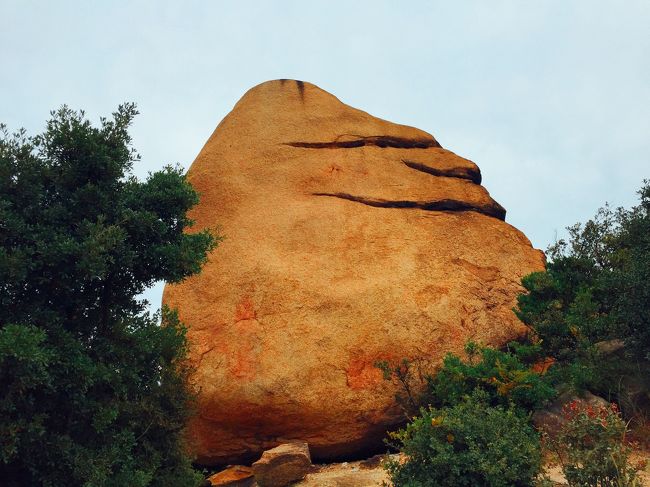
[550, 98]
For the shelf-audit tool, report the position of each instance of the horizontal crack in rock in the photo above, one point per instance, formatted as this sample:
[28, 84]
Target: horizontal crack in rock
[473, 175]
[495, 210]
[373, 140]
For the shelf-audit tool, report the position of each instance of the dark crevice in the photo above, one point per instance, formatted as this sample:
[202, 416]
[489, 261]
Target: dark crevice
[299, 84]
[301, 88]
[473, 175]
[372, 140]
[495, 210]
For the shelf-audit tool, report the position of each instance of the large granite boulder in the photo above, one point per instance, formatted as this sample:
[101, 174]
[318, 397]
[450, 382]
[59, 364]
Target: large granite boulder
[348, 240]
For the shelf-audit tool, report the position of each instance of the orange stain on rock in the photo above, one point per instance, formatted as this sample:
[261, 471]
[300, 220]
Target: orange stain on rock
[362, 373]
[243, 365]
[542, 366]
[458, 336]
[245, 310]
[334, 169]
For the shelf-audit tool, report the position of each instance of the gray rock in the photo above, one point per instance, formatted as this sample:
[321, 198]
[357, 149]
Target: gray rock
[551, 419]
[608, 347]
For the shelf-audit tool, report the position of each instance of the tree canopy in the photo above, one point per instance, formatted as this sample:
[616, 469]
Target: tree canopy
[595, 290]
[94, 388]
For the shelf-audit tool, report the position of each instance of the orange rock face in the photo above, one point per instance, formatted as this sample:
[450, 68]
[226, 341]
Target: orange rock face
[348, 240]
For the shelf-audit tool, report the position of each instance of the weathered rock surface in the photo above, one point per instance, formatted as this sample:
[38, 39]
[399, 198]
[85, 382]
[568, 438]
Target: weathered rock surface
[282, 465]
[348, 240]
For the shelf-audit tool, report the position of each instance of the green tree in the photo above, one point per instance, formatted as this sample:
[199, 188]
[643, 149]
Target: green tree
[596, 289]
[94, 389]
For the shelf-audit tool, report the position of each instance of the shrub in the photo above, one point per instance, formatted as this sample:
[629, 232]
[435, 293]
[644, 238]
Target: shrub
[471, 444]
[516, 376]
[591, 447]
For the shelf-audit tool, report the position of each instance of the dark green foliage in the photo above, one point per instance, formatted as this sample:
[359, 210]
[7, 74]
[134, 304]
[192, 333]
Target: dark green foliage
[507, 377]
[631, 275]
[471, 444]
[596, 288]
[515, 376]
[94, 388]
[474, 429]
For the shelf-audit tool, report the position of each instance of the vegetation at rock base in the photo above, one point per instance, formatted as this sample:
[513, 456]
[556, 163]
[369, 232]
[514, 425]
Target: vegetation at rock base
[470, 444]
[472, 427]
[591, 447]
[94, 389]
[590, 310]
[589, 319]
[515, 376]
[512, 377]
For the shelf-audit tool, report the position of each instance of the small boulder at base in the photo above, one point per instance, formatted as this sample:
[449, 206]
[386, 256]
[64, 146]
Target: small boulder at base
[551, 419]
[234, 476]
[282, 465]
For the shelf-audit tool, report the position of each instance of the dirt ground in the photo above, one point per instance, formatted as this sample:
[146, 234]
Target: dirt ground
[369, 473]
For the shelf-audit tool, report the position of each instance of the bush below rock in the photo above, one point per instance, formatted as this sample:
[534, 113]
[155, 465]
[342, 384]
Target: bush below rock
[470, 444]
